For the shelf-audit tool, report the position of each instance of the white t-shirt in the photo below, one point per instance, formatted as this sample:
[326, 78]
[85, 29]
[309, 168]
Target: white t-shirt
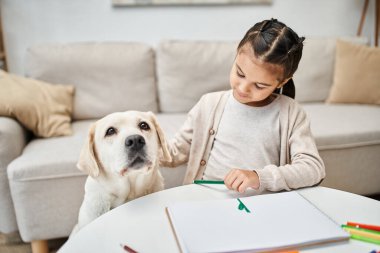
[247, 138]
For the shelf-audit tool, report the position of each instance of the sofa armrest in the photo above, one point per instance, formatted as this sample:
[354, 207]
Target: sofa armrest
[13, 138]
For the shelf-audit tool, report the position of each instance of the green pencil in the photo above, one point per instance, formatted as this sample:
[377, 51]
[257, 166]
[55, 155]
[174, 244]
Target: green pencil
[208, 182]
[365, 239]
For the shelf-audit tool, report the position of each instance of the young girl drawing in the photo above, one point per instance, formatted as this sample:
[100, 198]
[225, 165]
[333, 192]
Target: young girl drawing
[254, 135]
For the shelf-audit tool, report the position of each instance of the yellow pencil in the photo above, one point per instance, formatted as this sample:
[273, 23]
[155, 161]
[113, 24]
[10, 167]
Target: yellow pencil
[362, 233]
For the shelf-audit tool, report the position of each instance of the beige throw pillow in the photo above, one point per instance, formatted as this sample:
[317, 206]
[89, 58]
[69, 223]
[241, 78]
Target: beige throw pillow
[43, 108]
[356, 75]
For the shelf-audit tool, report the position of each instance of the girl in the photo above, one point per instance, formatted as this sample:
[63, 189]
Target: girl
[254, 135]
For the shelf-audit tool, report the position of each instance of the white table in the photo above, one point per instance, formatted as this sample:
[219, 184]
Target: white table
[143, 225]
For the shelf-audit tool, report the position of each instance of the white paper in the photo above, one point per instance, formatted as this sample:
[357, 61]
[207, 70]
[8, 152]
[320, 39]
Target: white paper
[276, 221]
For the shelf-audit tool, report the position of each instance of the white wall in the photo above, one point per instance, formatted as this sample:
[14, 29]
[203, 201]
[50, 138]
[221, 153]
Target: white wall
[29, 22]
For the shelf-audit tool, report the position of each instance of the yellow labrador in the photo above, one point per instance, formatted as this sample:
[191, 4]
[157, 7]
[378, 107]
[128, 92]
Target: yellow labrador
[121, 157]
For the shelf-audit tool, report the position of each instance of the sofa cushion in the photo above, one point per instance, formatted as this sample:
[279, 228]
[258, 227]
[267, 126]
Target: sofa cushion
[48, 114]
[348, 140]
[52, 157]
[338, 126]
[171, 123]
[108, 76]
[357, 75]
[188, 69]
[314, 76]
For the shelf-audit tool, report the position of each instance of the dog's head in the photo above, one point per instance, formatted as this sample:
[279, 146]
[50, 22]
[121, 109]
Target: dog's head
[122, 141]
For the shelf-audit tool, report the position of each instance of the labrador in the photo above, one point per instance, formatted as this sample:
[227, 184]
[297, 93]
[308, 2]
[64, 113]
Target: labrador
[120, 156]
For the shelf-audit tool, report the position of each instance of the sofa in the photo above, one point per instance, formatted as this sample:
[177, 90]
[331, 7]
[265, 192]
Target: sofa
[41, 188]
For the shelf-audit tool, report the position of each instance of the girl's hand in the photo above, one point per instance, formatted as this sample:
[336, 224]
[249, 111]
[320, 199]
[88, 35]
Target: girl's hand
[239, 180]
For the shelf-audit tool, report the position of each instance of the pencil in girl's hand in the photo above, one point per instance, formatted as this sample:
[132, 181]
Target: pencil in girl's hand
[208, 182]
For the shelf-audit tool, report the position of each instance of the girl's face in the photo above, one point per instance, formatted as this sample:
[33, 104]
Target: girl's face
[252, 80]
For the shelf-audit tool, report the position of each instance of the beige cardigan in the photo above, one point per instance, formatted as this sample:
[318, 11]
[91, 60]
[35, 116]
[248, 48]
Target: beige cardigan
[300, 163]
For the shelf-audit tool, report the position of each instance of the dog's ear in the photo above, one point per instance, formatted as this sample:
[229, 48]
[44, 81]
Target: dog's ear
[161, 137]
[88, 161]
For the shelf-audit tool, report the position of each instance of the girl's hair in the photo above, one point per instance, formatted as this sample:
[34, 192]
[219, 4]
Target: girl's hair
[274, 42]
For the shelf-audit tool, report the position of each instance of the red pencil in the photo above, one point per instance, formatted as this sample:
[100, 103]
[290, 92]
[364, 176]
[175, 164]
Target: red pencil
[366, 226]
[128, 249]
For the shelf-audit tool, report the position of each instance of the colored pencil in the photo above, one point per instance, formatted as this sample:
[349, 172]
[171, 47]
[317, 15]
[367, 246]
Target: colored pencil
[367, 234]
[366, 226]
[362, 229]
[127, 248]
[208, 182]
[365, 239]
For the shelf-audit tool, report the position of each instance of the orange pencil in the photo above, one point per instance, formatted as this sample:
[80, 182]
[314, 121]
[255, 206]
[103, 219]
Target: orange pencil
[366, 226]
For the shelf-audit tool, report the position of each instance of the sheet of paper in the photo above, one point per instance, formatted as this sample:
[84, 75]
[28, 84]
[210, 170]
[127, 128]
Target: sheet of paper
[275, 221]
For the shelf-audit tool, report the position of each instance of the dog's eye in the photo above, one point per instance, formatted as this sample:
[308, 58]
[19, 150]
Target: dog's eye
[144, 126]
[110, 131]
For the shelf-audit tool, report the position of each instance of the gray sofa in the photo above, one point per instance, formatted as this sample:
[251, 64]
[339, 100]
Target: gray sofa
[41, 189]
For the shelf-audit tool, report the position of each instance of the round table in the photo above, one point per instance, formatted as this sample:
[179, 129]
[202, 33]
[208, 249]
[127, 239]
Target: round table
[143, 224]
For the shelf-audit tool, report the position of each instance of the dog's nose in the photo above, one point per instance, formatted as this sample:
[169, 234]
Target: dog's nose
[135, 142]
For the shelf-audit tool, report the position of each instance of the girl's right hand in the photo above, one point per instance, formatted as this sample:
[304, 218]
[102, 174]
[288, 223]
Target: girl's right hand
[239, 180]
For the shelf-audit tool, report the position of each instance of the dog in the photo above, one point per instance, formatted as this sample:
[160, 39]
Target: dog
[121, 156]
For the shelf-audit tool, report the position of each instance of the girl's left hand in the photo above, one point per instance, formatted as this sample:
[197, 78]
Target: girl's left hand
[239, 180]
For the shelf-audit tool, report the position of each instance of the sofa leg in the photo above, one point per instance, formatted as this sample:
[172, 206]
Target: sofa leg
[40, 246]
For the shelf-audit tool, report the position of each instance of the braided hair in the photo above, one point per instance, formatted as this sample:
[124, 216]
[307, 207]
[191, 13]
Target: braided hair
[274, 42]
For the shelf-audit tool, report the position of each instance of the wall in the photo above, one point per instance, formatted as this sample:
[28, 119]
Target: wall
[29, 22]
